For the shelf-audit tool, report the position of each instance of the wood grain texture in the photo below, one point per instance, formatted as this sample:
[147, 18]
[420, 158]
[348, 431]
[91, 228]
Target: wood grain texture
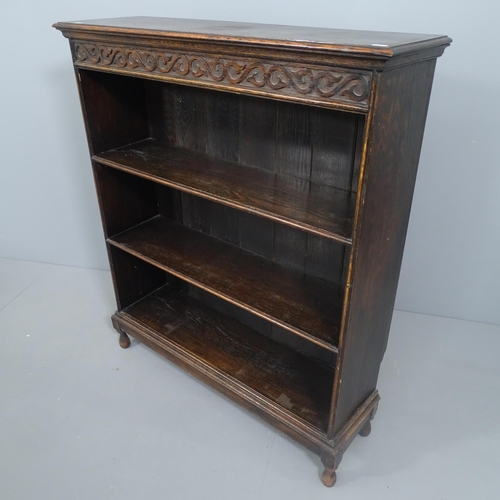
[124, 200]
[319, 209]
[114, 109]
[293, 144]
[323, 86]
[306, 306]
[222, 127]
[296, 382]
[134, 278]
[228, 126]
[257, 137]
[393, 150]
[376, 43]
[333, 143]
[256, 234]
[289, 248]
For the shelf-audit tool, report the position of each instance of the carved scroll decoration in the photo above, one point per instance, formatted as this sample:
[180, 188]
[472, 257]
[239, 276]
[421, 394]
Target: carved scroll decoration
[287, 79]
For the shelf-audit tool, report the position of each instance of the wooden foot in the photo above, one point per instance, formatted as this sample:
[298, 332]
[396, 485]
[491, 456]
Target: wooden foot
[329, 476]
[366, 429]
[124, 340]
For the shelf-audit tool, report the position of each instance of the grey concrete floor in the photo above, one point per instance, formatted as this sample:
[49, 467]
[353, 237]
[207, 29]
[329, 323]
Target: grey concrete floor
[81, 418]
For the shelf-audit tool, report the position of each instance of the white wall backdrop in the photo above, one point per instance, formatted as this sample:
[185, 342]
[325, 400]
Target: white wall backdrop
[48, 209]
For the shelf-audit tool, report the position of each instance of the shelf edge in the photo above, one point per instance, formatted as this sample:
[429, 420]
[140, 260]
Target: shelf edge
[213, 291]
[245, 208]
[284, 420]
[259, 401]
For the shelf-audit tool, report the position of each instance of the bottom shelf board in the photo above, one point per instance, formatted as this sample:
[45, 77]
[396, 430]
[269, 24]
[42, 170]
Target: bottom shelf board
[296, 382]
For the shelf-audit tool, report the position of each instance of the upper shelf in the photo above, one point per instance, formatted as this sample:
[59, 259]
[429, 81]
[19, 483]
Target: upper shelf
[318, 209]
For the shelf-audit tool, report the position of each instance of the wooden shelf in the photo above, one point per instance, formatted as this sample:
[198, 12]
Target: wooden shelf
[300, 384]
[321, 210]
[307, 306]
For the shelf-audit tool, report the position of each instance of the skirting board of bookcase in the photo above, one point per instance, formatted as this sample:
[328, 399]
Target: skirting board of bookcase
[330, 450]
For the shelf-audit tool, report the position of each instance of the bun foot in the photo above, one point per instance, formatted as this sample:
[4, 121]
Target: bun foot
[365, 431]
[329, 477]
[124, 340]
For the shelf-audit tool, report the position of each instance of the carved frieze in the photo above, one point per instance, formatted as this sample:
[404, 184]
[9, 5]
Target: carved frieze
[312, 83]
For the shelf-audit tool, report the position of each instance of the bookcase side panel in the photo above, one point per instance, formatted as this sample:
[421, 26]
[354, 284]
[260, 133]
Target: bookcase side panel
[133, 279]
[386, 190]
[114, 109]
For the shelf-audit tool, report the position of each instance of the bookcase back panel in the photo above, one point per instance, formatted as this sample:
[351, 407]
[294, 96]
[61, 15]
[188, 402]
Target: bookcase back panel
[309, 143]
[261, 325]
[295, 249]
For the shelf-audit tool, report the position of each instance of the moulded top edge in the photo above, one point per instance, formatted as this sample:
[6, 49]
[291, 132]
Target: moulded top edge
[366, 43]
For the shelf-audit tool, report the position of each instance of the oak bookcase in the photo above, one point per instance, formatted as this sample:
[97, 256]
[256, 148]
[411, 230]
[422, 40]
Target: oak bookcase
[255, 184]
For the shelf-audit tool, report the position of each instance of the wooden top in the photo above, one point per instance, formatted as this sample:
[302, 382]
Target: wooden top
[367, 43]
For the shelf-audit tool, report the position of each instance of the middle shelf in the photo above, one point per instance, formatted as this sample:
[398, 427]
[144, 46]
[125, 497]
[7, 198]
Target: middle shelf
[307, 306]
[316, 208]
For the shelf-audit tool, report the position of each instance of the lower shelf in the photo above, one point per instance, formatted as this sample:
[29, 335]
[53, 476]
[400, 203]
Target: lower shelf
[309, 307]
[299, 384]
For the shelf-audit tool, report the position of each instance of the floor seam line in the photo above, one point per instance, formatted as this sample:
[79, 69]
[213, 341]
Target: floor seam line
[447, 317]
[267, 468]
[24, 289]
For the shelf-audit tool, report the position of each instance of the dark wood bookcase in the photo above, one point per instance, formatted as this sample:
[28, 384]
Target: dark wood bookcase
[255, 185]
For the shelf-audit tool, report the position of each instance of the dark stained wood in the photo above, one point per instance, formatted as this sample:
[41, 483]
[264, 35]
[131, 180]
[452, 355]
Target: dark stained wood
[297, 428]
[329, 476]
[298, 383]
[196, 213]
[225, 223]
[376, 43]
[188, 105]
[133, 278]
[308, 307]
[290, 247]
[319, 209]
[359, 143]
[293, 144]
[169, 203]
[222, 127]
[124, 340]
[114, 110]
[262, 326]
[124, 200]
[391, 166]
[333, 143]
[299, 344]
[257, 125]
[256, 234]
[324, 259]
[255, 185]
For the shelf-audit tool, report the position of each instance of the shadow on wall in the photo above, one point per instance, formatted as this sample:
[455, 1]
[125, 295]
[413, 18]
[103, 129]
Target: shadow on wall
[74, 159]
[451, 266]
